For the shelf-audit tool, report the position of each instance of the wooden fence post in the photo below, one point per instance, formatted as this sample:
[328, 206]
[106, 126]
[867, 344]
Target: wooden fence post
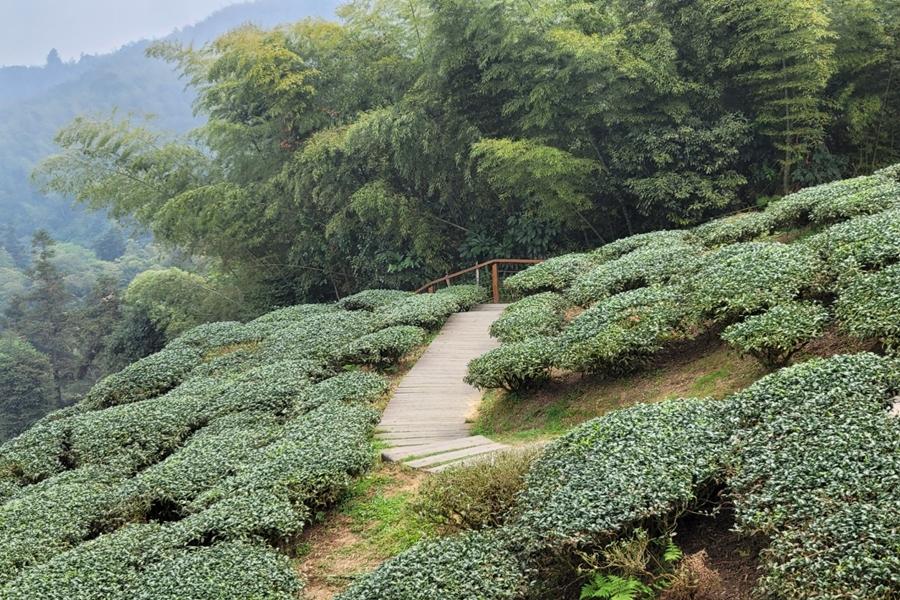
[495, 282]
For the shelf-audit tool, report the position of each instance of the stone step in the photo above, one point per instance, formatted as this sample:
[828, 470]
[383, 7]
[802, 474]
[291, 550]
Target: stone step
[444, 457]
[438, 447]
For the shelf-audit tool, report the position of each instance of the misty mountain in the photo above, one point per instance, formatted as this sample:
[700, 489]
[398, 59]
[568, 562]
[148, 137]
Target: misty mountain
[35, 102]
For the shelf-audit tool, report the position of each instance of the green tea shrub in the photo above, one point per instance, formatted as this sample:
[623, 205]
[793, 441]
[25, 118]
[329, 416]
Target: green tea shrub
[737, 228]
[533, 316]
[812, 442]
[227, 365]
[775, 335]
[35, 454]
[146, 378]
[746, 278]
[464, 567]
[891, 172]
[320, 336]
[351, 386]
[618, 333]
[273, 387]
[223, 447]
[50, 517]
[372, 299]
[835, 201]
[428, 311]
[553, 275]
[867, 241]
[216, 335]
[631, 243]
[868, 306]
[384, 347]
[300, 312]
[225, 571]
[513, 366]
[478, 495]
[652, 264]
[641, 464]
[466, 296]
[311, 465]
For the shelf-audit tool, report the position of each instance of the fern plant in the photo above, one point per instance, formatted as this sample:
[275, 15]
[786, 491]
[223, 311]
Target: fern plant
[614, 587]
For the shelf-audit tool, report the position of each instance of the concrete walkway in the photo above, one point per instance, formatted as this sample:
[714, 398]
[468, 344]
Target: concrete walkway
[425, 422]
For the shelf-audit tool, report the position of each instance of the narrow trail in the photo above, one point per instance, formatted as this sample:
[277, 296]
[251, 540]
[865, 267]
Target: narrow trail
[425, 422]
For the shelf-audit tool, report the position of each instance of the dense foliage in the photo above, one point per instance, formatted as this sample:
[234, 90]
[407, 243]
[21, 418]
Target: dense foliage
[773, 336]
[182, 475]
[414, 137]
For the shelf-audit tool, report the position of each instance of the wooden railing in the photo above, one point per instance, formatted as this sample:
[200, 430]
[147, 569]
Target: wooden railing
[495, 274]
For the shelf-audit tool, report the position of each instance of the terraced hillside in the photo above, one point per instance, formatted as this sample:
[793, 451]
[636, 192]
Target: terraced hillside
[807, 459]
[191, 473]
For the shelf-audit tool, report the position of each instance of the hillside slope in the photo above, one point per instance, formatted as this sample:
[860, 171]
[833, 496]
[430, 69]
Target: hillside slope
[806, 459]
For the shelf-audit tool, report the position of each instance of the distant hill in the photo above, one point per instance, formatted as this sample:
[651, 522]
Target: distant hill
[35, 102]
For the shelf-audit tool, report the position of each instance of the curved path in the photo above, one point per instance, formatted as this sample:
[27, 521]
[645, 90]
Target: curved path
[425, 423]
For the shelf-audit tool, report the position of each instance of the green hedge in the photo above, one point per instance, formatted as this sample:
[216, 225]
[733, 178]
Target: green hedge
[737, 228]
[465, 567]
[618, 333]
[775, 335]
[868, 241]
[320, 336]
[428, 311]
[641, 463]
[350, 386]
[384, 347]
[745, 278]
[532, 316]
[814, 444]
[513, 366]
[553, 275]
[372, 299]
[300, 312]
[651, 264]
[868, 306]
[631, 243]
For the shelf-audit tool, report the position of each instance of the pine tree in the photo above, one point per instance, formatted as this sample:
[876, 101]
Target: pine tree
[782, 52]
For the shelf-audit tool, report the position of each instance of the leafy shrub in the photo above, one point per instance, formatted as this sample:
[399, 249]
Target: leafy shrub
[617, 333]
[350, 386]
[868, 241]
[553, 275]
[638, 464]
[774, 336]
[385, 346]
[650, 264]
[146, 378]
[532, 316]
[891, 172]
[428, 311]
[320, 336]
[372, 299]
[513, 366]
[745, 278]
[631, 243]
[300, 312]
[835, 201]
[217, 335]
[273, 387]
[230, 570]
[868, 306]
[737, 228]
[813, 443]
[476, 496]
[466, 296]
[473, 565]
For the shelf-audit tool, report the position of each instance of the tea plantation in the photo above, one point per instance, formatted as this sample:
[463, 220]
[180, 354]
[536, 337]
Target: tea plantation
[191, 473]
[808, 457]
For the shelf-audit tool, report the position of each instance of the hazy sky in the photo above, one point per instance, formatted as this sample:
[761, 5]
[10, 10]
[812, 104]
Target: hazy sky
[30, 28]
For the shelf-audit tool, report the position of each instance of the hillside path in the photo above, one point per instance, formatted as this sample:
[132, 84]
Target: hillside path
[425, 423]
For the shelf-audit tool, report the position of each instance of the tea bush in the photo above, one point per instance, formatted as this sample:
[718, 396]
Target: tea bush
[384, 347]
[643, 463]
[217, 335]
[300, 312]
[652, 264]
[553, 275]
[868, 241]
[350, 386]
[868, 306]
[532, 316]
[811, 442]
[775, 335]
[372, 299]
[464, 567]
[466, 296]
[745, 278]
[729, 230]
[146, 378]
[617, 333]
[631, 243]
[428, 311]
[513, 366]
[320, 336]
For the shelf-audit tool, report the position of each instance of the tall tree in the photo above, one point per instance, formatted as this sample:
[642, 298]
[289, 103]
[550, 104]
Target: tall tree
[26, 391]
